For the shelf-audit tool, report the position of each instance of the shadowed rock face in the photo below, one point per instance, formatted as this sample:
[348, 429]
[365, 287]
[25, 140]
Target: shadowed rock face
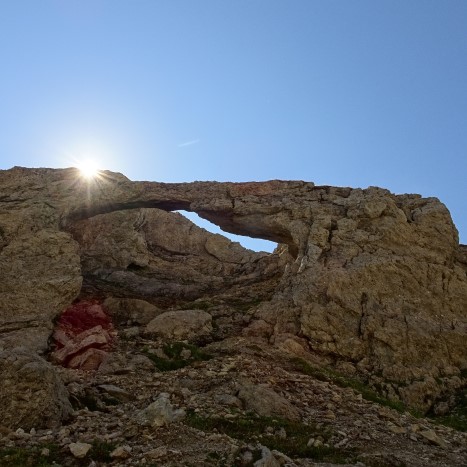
[366, 277]
[165, 259]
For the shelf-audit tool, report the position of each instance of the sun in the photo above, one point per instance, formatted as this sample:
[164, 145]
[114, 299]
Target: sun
[88, 169]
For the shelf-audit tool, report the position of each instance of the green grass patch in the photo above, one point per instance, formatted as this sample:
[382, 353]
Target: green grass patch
[457, 418]
[30, 456]
[457, 422]
[175, 359]
[327, 374]
[265, 430]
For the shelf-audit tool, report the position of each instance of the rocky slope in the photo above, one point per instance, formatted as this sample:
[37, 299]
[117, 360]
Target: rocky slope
[363, 305]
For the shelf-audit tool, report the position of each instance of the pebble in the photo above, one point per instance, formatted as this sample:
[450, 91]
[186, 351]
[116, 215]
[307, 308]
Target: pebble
[281, 433]
[121, 452]
[157, 453]
[79, 450]
[398, 430]
[342, 443]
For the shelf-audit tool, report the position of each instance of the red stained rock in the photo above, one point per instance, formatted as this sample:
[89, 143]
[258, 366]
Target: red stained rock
[83, 336]
[90, 359]
[82, 316]
[92, 338]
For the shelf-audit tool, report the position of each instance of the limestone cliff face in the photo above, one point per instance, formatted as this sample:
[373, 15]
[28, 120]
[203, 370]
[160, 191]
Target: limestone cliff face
[368, 280]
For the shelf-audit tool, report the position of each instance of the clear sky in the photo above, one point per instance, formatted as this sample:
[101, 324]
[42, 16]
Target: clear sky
[338, 92]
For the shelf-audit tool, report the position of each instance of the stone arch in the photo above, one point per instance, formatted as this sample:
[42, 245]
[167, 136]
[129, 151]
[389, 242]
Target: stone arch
[254, 209]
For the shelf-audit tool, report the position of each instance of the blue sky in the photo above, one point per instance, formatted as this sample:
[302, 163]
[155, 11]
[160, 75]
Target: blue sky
[338, 92]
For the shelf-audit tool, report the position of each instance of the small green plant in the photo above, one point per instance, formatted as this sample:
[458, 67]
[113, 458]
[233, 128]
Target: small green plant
[268, 431]
[89, 401]
[101, 450]
[175, 359]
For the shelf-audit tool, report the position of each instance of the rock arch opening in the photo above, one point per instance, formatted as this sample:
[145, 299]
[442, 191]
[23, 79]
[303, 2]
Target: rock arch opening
[167, 259]
[255, 244]
[254, 209]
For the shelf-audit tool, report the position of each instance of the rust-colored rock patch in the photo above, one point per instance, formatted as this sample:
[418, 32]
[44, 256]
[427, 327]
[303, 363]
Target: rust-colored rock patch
[83, 336]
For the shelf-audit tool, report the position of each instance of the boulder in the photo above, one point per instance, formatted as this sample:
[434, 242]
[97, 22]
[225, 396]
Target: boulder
[91, 359]
[267, 459]
[181, 325]
[433, 438]
[134, 310]
[41, 275]
[266, 402]
[79, 450]
[159, 413]
[32, 395]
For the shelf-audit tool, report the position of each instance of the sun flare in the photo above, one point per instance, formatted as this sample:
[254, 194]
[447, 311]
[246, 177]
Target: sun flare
[88, 169]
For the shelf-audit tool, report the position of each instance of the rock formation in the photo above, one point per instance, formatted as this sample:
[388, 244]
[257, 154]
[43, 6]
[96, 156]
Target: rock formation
[363, 281]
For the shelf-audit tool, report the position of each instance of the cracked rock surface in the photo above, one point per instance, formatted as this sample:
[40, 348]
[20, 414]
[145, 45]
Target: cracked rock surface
[364, 285]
